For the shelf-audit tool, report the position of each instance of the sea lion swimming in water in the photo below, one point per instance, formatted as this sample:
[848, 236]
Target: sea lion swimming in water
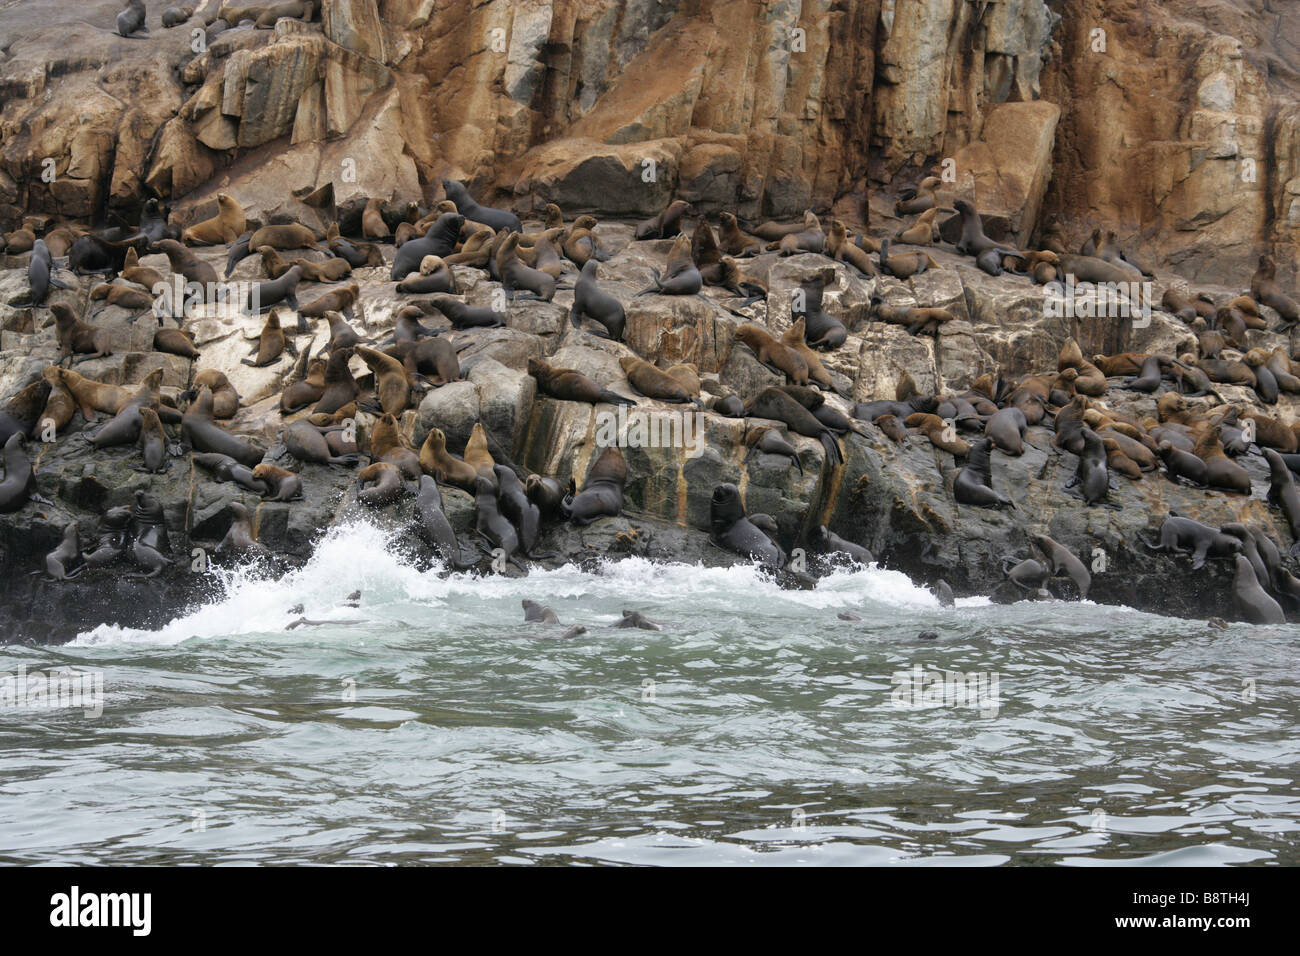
[729, 528]
[537, 612]
[602, 492]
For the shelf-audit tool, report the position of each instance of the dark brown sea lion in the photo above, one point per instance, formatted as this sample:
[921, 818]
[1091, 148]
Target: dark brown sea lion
[175, 342]
[666, 224]
[202, 433]
[602, 492]
[572, 386]
[681, 277]
[973, 484]
[774, 404]
[75, 337]
[1266, 291]
[340, 387]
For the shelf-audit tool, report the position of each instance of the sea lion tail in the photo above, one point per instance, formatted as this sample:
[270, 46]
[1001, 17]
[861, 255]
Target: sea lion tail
[834, 456]
[613, 398]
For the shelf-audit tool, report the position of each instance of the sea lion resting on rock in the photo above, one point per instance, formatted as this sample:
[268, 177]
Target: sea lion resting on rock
[565, 383]
[682, 277]
[602, 492]
[226, 226]
[666, 225]
[729, 528]
[203, 434]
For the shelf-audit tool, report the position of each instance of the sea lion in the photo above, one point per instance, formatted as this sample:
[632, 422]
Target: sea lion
[435, 460]
[469, 209]
[1182, 464]
[435, 276]
[734, 241]
[130, 22]
[271, 343]
[435, 359]
[1220, 470]
[283, 236]
[493, 526]
[904, 265]
[515, 505]
[326, 270]
[225, 468]
[666, 224]
[827, 542]
[537, 612]
[973, 484]
[516, 275]
[391, 383]
[336, 300]
[728, 406]
[75, 337]
[381, 484]
[1092, 473]
[226, 226]
[1183, 535]
[66, 556]
[917, 200]
[942, 434]
[434, 524]
[19, 480]
[175, 16]
[548, 494]
[281, 484]
[372, 220]
[777, 405]
[202, 433]
[175, 342]
[592, 302]
[812, 238]
[637, 620]
[39, 273]
[225, 400]
[388, 443]
[1252, 602]
[308, 443]
[571, 386]
[1029, 575]
[153, 442]
[91, 396]
[113, 539]
[653, 382]
[1061, 560]
[602, 492]
[91, 254]
[729, 528]
[772, 354]
[770, 441]
[190, 266]
[266, 294]
[464, 316]
[22, 412]
[1006, 429]
[923, 230]
[682, 276]
[822, 330]
[1265, 290]
[1282, 493]
[917, 320]
[60, 406]
[359, 255]
[839, 248]
[580, 244]
[239, 538]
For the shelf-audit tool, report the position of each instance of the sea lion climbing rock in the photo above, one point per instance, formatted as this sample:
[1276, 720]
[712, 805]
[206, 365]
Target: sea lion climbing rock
[602, 492]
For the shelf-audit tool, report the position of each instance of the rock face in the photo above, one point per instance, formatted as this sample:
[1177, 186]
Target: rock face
[1172, 122]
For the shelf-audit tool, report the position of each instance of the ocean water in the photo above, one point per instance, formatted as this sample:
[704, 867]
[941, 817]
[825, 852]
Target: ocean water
[431, 725]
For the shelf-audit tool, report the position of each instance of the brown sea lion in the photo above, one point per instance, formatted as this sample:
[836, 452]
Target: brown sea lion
[446, 468]
[734, 241]
[580, 243]
[1265, 290]
[203, 434]
[75, 337]
[388, 443]
[904, 265]
[572, 386]
[300, 394]
[336, 300]
[340, 387]
[381, 484]
[793, 338]
[175, 342]
[772, 354]
[391, 382]
[281, 484]
[1220, 470]
[226, 226]
[812, 238]
[665, 225]
[653, 382]
[372, 220]
[942, 434]
[283, 236]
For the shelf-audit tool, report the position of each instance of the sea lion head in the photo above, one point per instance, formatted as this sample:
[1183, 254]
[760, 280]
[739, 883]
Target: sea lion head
[628, 362]
[537, 368]
[430, 264]
[585, 222]
[964, 207]
[725, 507]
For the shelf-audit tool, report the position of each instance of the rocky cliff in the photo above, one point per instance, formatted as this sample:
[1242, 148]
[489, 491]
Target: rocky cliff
[1169, 122]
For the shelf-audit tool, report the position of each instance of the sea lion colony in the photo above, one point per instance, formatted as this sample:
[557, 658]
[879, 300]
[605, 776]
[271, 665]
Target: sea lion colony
[343, 421]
